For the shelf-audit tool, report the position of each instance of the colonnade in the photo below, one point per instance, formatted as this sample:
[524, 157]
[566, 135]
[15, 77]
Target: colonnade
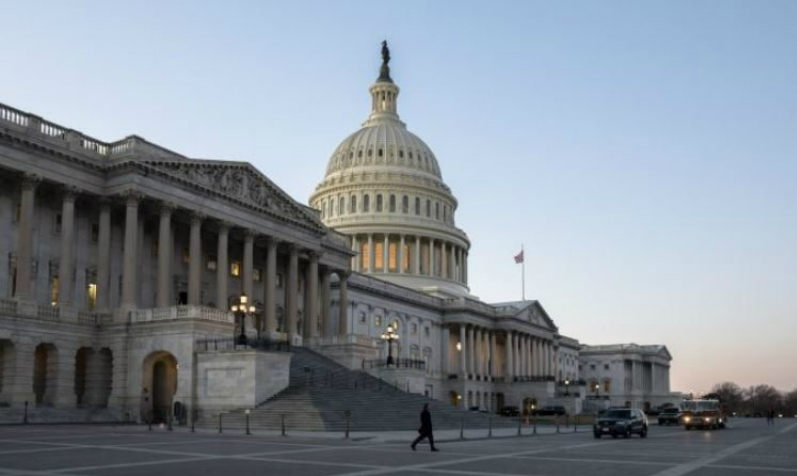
[410, 254]
[131, 261]
[526, 356]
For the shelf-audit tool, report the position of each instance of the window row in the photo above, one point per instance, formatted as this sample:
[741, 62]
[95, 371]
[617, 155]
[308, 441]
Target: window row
[409, 158]
[417, 206]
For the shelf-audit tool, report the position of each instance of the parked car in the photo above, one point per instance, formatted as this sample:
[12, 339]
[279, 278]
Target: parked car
[623, 422]
[550, 410]
[509, 411]
[670, 416]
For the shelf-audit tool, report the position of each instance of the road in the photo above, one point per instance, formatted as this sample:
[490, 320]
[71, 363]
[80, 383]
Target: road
[749, 448]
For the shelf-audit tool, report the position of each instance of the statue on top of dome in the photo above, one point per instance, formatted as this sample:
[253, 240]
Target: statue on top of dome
[384, 71]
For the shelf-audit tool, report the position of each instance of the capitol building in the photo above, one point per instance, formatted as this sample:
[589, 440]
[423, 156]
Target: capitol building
[140, 284]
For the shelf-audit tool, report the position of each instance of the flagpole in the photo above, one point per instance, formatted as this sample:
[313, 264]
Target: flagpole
[523, 272]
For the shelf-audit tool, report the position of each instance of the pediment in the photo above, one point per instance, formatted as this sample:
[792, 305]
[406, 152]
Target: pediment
[535, 314]
[239, 182]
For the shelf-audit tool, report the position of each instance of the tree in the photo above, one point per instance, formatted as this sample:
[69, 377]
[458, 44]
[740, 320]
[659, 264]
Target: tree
[730, 395]
[762, 398]
[790, 402]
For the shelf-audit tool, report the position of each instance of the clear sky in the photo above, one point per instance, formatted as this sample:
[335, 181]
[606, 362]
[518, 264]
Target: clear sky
[644, 152]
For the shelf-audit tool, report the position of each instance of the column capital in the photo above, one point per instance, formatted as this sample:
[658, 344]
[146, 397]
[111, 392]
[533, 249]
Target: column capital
[167, 208]
[249, 234]
[315, 255]
[105, 203]
[70, 193]
[30, 181]
[132, 196]
[196, 217]
[343, 274]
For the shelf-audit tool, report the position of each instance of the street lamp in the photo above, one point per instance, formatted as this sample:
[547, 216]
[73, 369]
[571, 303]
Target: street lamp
[241, 310]
[567, 387]
[389, 336]
[597, 390]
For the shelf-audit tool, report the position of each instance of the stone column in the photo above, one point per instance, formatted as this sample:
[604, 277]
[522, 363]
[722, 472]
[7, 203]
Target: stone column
[443, 260]
[472, 350]
[477, 364]
[311, 291]
[371, 254]
[416, 265]
[165, 255]
[249, 264]
[355, 247]
[291, 293]
[343, 314]
[270, 291]
[400, 255]
[524, 355]
[529, 363]
[431, 257]
[130, 262]
[195, 261]
[385, 255]
[452, 265]
[23, 286]
[492, 354]
[66, 263]
[463, 360]
[446, 347]
[325, 279]
[510, 365]
[222, 266]
[104, 256]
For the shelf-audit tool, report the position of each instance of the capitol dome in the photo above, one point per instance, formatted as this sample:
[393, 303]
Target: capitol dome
[383, 188]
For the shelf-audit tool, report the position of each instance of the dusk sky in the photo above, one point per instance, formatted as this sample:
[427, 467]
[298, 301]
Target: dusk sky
[645, 153]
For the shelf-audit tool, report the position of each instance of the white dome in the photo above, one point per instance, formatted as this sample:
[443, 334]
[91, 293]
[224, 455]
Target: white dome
[383, 187]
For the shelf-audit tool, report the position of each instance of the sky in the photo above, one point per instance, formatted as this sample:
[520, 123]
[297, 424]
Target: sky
[643, 152]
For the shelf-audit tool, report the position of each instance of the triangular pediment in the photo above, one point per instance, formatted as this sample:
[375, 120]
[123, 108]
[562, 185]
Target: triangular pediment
[535, 314]
[240, 182]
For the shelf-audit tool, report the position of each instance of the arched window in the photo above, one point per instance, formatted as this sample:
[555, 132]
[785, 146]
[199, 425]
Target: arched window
[341, 206]
[436, 210]
[366, 203]
[360, 154]
[353, 204]
[370, 152]
[417, 206]
[379, 203]
[401, 153]
[392, 204]
[381, 153]
[405, 204]
[428, 208]
[445, 213]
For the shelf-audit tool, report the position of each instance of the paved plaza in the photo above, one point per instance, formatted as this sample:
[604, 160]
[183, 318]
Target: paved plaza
[748, 448]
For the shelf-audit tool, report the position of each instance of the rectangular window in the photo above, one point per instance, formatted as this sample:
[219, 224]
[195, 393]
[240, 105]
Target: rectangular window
[365, 256]
[257, 275]
[279, 280]
[95, 232]
[379, 255]
[607, 386]
[414, 328]
[426, 331]
[391, 257]
[186, 256]
[57, 221]
[235, 268]
[405, 258]
[378, 321]
[212, 264]
[91, 293]
[155, 247]
[17, 211]
[54, 290]
[362, 317]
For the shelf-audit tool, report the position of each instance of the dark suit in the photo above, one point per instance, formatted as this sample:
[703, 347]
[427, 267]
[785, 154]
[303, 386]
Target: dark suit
[426, 429]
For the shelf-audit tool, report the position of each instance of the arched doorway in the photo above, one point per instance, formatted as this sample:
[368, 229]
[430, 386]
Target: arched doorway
[159, 386]
[529, 405]
[45, 374]
[455, 398]
[7, 363]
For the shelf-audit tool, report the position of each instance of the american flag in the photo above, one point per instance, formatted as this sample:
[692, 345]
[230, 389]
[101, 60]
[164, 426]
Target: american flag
[519, 257]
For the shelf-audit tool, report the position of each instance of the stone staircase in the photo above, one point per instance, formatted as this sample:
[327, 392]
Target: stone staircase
[57, 415]
[322, 392]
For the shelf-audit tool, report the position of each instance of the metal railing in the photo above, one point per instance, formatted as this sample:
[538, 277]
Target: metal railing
[234, 343]
[395, 363]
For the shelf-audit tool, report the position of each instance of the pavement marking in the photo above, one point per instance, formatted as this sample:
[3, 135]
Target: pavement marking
[689, 467]
[753, 468]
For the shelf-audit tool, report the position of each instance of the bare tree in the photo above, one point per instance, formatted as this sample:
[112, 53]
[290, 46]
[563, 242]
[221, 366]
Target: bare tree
[790, 402]
[762, 398]
[730, 395]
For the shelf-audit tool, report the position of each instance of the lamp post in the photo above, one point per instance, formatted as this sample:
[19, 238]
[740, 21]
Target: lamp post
[241, 310]
[597, 390]
[567, 387]
[389, 336]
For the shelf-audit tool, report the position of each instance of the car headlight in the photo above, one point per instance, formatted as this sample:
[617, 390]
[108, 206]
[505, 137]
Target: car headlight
[687, 419]
[707, 420]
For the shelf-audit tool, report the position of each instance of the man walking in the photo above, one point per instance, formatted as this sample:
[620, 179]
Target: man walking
[426, 429]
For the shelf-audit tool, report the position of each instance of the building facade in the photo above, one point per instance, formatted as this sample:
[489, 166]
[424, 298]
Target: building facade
[123, 260]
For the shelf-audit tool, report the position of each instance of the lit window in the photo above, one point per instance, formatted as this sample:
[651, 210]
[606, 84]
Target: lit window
[54, 290]
[186, 256]
[212, 263]
[235, 268]
[365, 256]
[378, 321]
[379, 253]
[91, 292]
[257, 275]
[391, 256]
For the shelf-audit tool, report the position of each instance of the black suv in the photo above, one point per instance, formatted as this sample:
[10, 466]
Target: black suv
[670, 416]
[619, 422]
